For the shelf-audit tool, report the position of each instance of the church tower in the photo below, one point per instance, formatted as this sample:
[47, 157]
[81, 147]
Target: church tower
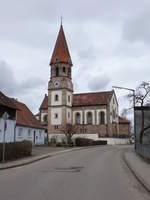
[60, 87]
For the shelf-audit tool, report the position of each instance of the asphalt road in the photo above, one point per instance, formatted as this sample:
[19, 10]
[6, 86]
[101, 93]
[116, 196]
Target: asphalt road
[89, 174]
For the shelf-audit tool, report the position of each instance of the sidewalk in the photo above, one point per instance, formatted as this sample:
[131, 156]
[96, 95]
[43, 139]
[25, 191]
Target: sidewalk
[139, 167]
[38, 153]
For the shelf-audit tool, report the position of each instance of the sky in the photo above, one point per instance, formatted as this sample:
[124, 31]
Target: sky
[109, 43]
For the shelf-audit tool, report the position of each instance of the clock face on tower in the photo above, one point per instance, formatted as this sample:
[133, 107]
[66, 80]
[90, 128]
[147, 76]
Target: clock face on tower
[56, 83]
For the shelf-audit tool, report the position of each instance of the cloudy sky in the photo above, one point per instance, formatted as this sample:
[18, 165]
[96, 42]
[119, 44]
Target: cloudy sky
[109, 42]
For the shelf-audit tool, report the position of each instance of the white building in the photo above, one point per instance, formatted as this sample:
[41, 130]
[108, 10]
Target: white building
[7, 106]
[21, 124]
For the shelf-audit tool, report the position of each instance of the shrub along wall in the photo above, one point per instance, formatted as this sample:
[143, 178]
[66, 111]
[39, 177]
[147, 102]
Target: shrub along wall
[16, 150]
[88, 142]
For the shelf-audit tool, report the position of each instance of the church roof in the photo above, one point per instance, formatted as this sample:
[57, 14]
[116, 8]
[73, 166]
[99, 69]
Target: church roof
[44, 104]
[85, 99]
[61, 52]
[91, 99]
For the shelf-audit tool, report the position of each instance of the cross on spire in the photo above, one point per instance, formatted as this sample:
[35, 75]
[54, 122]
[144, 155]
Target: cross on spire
[61, 19]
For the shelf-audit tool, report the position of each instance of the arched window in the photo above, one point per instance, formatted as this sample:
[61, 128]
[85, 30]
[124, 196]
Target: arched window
[57, 71]
[64, 69]
[102, 117]
[45, 118]
[78, 118]
[56, 97]
[114, 114]
[89, 118]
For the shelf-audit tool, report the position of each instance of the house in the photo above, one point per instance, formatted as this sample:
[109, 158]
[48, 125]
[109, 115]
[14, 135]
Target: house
[27, 126]
[93, 113]
[21, 123]
[124, 127]
[7, 106]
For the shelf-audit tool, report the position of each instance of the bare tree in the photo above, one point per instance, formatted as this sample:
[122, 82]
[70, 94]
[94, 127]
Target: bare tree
[69, 130]
[142, 97]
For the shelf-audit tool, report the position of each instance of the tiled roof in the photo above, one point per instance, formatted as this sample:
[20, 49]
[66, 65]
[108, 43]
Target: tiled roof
[85, 99]
[61, 52]
[91, 99]
[123, 120]
[25, 117]
[44, 104]
[6, 101]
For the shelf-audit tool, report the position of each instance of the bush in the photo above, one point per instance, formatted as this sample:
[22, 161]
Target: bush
[100, 142]
[83, 142]
[15, 150]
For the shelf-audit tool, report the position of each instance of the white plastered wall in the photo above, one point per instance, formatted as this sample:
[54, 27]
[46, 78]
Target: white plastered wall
[58, 120]
[69, 94]
[113, 106]
[69, 115]
[59, 102]
[9, 134]
[39, 135]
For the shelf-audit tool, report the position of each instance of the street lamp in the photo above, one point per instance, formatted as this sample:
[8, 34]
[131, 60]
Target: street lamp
[133, 91]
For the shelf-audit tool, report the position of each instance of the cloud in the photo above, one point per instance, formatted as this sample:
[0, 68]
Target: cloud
[137, 29]
[98, 83]
[8, 83]
[11, 86]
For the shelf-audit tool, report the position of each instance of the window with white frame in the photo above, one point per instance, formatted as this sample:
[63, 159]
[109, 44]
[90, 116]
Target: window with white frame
[29, 132]
[20, 132]
[40, 134]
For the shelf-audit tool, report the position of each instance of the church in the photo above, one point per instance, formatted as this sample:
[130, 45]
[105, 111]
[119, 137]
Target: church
[94, 113]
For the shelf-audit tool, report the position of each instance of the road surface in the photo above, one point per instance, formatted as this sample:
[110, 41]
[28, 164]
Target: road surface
[90, 174]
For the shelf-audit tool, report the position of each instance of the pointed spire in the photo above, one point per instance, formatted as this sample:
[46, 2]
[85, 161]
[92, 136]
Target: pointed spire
[61, 52]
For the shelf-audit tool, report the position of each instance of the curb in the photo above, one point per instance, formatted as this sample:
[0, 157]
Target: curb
[136, 175]
[38, 158]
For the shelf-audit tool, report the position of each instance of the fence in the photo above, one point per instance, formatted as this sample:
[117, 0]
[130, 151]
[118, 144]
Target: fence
[143, 150]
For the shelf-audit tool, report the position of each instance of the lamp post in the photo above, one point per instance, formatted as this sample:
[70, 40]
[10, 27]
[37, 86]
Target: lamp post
[133, 91]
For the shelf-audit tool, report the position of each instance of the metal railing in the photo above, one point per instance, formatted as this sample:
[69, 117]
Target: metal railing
[143, 150]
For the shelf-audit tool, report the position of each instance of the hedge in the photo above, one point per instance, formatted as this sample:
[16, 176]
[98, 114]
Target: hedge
[99, 142]
[88, 142]
[15, 150]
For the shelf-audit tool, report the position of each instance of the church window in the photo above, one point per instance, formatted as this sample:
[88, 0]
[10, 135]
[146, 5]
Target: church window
[56, 115]
[68, 114]
[114, 114]
[57, 71]
[89, 118]
[45, 118]
[102, 117]
[69, 72]
[78, 118]
[69, 99]
[64, 69]
[56, 97]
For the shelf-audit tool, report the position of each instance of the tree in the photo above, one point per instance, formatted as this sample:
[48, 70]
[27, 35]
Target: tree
[142, 97]
[69, 130]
